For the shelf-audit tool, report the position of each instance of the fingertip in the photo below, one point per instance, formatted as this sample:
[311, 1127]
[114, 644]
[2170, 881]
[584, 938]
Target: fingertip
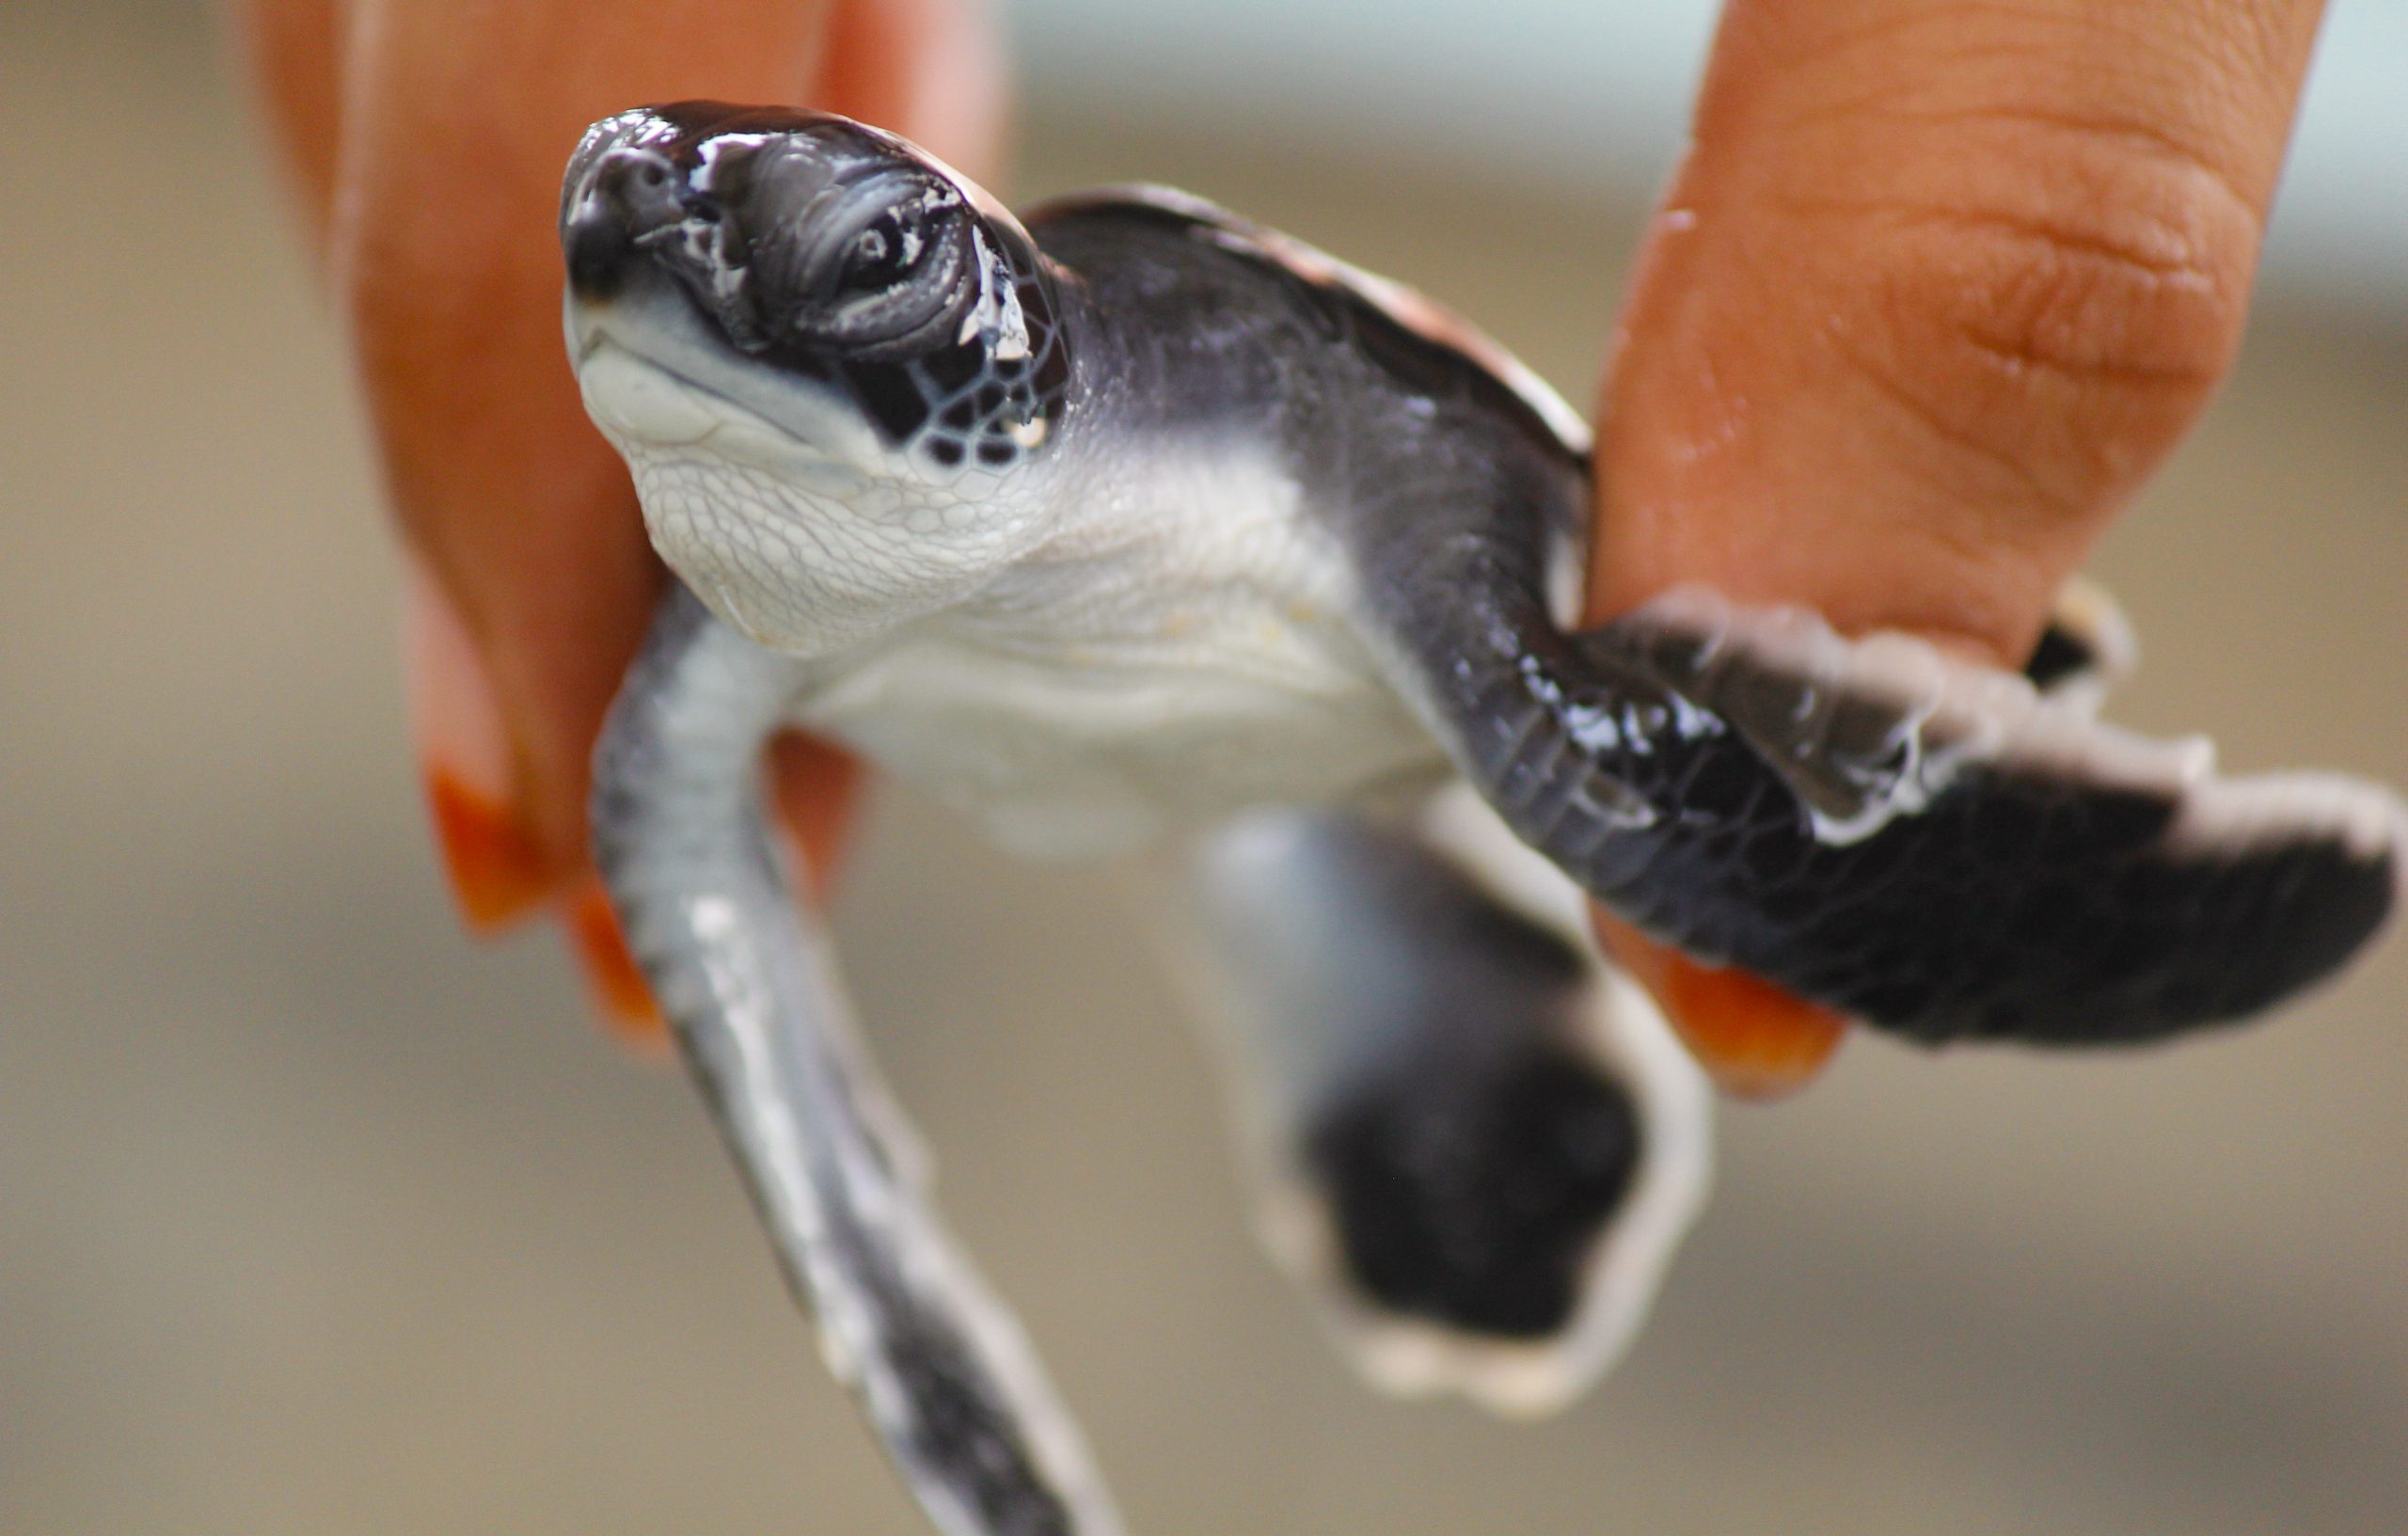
[932, 70]
[498, 875]
[295, 52]
[499, 869]
[1933, 292]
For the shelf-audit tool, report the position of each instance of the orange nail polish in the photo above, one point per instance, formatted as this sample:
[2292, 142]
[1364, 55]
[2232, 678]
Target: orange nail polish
[611, 970]
[499, 871]
[1753, 1039]
[498, 874]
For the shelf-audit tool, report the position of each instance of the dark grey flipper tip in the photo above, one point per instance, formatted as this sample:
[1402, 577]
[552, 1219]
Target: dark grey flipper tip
[1928, 846]
[1998, 865]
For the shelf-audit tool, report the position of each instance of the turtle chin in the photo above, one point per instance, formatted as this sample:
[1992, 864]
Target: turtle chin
[770, 576]
[653, 369]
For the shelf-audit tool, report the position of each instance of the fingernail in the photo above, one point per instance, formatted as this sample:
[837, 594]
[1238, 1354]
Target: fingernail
[1753, 1039]
[611, 970]
[497, 869]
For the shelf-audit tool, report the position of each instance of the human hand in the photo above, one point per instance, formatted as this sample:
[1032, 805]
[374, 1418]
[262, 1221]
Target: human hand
[1936, 289]
[428, 140]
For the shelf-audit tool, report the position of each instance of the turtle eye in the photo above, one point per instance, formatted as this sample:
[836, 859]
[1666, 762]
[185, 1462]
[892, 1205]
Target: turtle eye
[883, 252]
[889, 275]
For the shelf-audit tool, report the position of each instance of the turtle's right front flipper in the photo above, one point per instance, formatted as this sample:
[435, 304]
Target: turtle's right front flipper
[938, 1363]
[1929, 846]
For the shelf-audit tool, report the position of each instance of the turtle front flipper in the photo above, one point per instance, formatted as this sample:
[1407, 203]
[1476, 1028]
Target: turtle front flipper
[940, 1366]
[1757, 1041]
[1932, 847]
[1477, 1147]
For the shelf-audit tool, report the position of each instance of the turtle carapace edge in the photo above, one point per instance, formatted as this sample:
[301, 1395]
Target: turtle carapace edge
[1130, 528]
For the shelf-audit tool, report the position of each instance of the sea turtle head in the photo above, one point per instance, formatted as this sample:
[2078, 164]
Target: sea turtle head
[831, 362]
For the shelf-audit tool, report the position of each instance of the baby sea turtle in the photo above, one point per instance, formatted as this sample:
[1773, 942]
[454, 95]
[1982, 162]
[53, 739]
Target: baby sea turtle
[1135, 523]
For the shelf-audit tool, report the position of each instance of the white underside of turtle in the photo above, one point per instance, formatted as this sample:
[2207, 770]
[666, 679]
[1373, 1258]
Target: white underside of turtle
[1140, 528]
[1171, 652]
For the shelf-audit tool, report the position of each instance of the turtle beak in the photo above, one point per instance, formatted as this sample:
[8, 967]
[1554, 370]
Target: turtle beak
[632, 178]
[616, 198]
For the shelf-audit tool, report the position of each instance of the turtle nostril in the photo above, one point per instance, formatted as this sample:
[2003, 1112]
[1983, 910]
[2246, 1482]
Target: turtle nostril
[630, 193]
[641, 187]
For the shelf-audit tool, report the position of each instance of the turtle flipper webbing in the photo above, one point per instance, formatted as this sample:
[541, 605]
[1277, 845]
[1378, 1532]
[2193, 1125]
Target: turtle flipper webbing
[1754, 1040]
[939, 1365]
[1923, 844]
[1476, 1148]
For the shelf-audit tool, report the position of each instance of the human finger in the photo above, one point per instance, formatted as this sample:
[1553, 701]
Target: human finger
[1934, 290]
[533, 578]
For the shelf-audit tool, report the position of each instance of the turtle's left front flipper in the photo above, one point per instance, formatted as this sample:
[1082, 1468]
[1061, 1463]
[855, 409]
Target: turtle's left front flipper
[1929, 846]
[1475, 1146]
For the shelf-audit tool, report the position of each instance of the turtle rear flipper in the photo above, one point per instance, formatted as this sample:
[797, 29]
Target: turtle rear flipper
[1476, 1147]
[1932, 847]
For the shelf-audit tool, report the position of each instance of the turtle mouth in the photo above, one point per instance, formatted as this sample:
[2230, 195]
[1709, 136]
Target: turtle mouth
[656, 368]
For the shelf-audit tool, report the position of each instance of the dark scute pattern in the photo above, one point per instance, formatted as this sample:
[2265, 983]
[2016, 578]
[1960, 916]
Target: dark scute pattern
[892, 399]
[749, 209]
[952, 369]
[1052, 374]
[2022, 903]
[975, 405]
[1468, 1192]
[1033, 300]
[1047, 390]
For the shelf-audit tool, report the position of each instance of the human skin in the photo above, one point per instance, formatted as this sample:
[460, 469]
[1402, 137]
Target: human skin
[1936, 288]
[531, 580]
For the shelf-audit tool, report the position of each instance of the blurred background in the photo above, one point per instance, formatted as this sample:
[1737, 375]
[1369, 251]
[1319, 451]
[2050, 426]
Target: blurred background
[316, 1218]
